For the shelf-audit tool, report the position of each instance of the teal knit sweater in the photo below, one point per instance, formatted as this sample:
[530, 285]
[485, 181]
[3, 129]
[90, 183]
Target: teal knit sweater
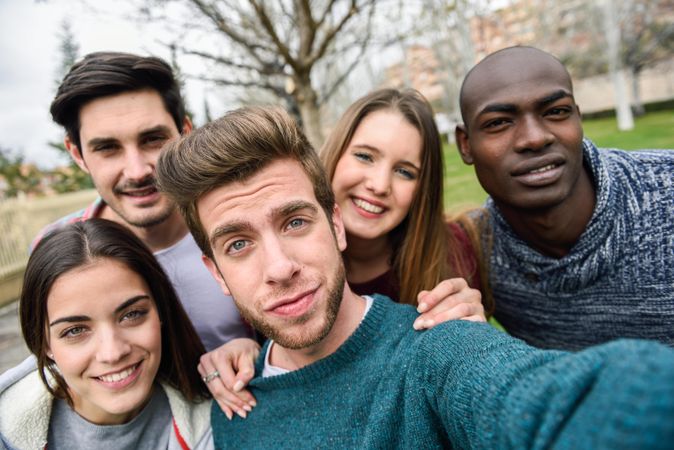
[460, 385]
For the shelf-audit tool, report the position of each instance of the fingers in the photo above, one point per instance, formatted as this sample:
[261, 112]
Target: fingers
[458, 301]
[234, 363]
[427, 300]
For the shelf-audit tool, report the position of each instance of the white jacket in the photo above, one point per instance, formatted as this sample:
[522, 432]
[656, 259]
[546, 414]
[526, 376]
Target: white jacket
[25, 411]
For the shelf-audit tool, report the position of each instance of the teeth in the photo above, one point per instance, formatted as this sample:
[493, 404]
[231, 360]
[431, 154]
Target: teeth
[369, 207]
[118, 376]
[543, 169]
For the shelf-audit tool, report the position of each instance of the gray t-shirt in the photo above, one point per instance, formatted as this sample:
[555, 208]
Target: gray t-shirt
[148, 430]
[212, 313]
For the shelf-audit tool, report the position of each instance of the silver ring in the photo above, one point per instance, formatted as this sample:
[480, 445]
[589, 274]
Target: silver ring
[211, 376]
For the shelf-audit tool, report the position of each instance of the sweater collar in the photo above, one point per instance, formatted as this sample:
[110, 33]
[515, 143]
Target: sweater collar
[357, 343]
[593, 254]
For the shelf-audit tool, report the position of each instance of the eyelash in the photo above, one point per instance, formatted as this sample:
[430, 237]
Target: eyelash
[362, 156]
[132, 316]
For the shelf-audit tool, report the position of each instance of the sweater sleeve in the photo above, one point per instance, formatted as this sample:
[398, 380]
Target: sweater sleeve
[494, 391]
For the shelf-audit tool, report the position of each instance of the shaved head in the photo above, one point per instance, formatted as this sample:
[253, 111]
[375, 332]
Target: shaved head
[508, 66]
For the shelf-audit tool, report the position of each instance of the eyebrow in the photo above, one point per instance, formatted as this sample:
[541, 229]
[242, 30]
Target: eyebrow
[154, 130]
[281, 211]
[121, 307]
[512, 108]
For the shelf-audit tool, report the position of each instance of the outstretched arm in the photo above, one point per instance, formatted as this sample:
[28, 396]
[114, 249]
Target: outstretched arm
[497, 392]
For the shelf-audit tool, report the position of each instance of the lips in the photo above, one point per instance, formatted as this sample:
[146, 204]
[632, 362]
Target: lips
[293, 306]
[120, 378]
[368, 207]
[537, 165]
[141, 192]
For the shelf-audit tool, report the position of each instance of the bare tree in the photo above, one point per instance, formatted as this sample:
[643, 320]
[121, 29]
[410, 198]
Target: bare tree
[612, 28]
[278, 45]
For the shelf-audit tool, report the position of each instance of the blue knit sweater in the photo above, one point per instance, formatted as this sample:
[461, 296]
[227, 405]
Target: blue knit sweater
[617, 281]
[461, 385]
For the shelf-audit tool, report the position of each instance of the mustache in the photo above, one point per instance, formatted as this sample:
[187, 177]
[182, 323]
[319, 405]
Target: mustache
[147, 182]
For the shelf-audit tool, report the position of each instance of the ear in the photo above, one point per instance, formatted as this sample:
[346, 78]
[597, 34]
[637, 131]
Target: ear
[338, 225]
[215, 272]
[75, 153]
[462, 143]
[187, 126]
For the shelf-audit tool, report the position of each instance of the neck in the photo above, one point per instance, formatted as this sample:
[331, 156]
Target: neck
[156, 237]
[554, 231]
[348, 318]
[366, 259]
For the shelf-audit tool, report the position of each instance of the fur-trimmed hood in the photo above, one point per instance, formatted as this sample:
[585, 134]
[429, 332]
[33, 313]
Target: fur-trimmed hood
[26, 405]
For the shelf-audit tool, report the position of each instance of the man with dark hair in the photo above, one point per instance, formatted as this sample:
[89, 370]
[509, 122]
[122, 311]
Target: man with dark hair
[344, 371]
[578, 239]
[118, 111]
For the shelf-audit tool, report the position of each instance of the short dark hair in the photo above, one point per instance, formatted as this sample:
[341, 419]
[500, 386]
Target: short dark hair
[234, 148]
[102, 74]
[79, 244]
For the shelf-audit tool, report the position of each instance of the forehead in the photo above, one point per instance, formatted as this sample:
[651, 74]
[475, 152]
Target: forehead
[279, 183]
[516, 78]
[390, 132]
[96, 286]
[123, 113]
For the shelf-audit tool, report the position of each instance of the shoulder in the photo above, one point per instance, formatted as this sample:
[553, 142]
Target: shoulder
[83, 214]
[25, 406]
[662, 159]
[192, 419]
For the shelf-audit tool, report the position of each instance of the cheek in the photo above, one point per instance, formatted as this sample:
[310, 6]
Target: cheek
[405, 195]
[346, 177]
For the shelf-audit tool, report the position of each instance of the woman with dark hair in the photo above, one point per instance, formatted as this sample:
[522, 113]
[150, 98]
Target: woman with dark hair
[114, 352]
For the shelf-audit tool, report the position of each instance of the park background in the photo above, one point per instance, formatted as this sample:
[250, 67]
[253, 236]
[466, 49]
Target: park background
[314, 58]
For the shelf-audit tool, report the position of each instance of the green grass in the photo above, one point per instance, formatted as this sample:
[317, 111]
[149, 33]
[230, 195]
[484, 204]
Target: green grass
[654, 130]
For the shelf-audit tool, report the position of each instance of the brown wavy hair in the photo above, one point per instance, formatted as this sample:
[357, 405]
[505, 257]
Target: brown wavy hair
[79, 244]
[424, 251]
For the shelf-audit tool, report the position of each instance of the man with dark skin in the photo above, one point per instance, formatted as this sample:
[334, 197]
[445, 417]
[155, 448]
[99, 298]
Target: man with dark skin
[577, 236]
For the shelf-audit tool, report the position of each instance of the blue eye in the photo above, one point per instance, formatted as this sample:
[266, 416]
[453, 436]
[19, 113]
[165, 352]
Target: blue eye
[296, 223]
[72, 332]
[134, 314]
[237, 246]
[363, 156]
[406, 174]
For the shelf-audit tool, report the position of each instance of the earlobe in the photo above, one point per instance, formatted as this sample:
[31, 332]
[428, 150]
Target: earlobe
[462, 143]
[75, 153]
[215, 272]
[338, 226]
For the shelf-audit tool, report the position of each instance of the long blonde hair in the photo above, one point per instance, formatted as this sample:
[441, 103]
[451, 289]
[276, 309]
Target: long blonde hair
[421, 243]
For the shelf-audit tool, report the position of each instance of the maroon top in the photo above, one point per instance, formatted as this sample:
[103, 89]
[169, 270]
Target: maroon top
[387, 283]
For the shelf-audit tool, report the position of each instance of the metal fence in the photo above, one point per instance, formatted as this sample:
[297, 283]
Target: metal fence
[22, 218]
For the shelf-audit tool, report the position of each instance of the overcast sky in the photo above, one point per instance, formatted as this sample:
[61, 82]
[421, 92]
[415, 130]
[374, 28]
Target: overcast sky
[30, 58]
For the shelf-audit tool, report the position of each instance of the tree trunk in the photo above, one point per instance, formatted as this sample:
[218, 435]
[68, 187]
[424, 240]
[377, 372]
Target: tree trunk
[623, 111]
[637, 105]
[307, 101]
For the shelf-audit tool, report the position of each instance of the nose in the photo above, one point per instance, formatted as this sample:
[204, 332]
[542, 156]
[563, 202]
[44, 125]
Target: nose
[280, 267]
[533, 135]
[112, 346]
[138, 165]
[378, 180]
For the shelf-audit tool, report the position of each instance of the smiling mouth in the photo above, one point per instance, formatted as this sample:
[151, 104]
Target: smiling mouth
[141, 192]
[119, 376]
[543, 169]
[367, 206]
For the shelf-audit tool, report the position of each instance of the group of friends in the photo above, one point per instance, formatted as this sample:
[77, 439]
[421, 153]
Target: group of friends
[143, 312]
